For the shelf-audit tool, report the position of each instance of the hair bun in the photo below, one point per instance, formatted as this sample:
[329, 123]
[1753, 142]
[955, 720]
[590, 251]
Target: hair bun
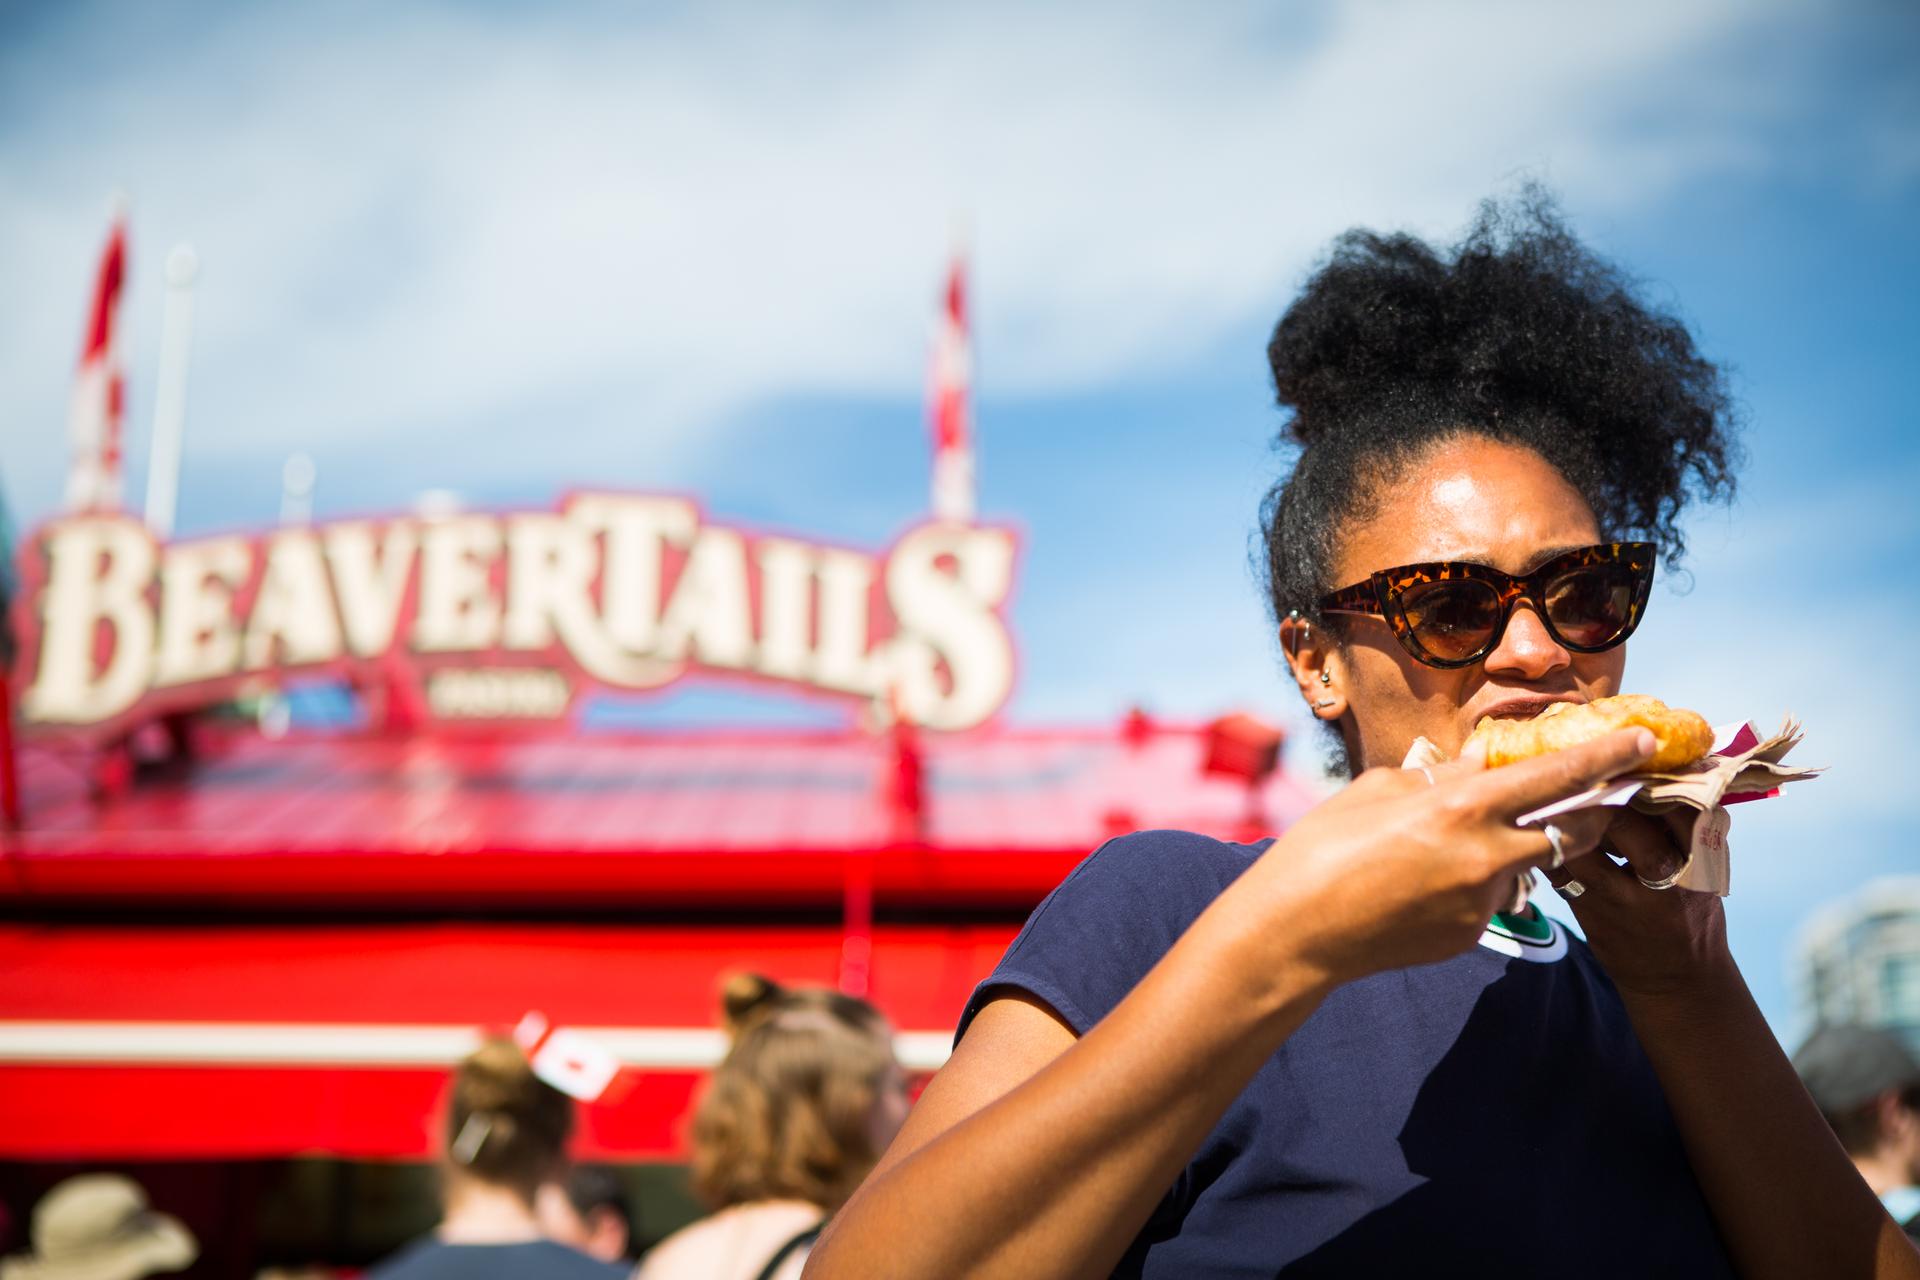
[505, 1124]
[742, 995]
[1372, 324]
[497, 1077]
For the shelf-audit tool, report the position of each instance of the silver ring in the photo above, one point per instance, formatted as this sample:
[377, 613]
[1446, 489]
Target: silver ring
[1554, 837]
[1664, 882]
[1572, 889]
[1518, 903]
[1429, 773]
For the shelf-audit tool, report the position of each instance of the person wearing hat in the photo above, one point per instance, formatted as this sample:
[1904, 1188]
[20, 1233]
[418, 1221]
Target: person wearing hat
[1867, 1084]
[98, 1227]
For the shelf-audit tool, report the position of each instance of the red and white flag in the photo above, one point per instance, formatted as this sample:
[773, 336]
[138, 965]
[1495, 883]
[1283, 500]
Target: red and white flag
[574, 1064]
[950, 403]
[99, 390]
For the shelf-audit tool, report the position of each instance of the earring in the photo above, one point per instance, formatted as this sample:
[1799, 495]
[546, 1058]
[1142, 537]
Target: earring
[1326, 677]
[1325, 702]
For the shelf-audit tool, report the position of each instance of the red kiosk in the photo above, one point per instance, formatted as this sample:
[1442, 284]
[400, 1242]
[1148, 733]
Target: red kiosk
[238, 955]
[228, 945]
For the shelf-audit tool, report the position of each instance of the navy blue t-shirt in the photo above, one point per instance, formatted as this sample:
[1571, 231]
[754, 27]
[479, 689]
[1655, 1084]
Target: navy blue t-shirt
[1492, 1114]
[432, 1259]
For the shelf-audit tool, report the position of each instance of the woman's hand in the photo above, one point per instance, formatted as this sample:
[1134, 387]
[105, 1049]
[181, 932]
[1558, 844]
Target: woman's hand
[1787, 1201]
[1650, 941]
[1405, 866]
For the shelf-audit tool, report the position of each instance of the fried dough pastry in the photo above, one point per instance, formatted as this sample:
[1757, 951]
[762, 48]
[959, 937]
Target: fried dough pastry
[1683, 736]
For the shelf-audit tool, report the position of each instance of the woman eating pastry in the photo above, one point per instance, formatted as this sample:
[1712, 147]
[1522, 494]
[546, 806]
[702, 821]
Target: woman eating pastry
[1333, 1053]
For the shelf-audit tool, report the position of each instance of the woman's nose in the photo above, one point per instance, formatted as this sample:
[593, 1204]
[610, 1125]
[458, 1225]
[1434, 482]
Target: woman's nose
[1527, 650]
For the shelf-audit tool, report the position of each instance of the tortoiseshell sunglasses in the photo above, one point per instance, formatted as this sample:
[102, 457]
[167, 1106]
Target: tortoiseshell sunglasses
[1452, 613]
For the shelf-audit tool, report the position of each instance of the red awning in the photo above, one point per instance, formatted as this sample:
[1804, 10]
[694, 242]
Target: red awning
[255, 1041]
[731, 819]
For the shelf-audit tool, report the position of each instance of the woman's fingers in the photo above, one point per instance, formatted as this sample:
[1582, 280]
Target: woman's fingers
[1652, 848]
[1519, 788]
[1578, 834]
[1597, 871]
[1580, 831]
[1471, 760]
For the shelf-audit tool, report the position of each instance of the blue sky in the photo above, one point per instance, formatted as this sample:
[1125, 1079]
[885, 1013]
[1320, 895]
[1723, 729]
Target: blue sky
[507, 250]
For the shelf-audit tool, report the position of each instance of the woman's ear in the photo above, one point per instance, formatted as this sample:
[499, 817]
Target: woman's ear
[1312, 658]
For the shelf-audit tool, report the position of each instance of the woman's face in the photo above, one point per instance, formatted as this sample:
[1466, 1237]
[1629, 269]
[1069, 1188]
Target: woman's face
[1469, 499]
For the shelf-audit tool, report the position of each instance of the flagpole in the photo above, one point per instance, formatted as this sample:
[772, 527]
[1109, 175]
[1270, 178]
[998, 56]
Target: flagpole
[170, 402]
[95, 415]
[950, 393]
[297, 478]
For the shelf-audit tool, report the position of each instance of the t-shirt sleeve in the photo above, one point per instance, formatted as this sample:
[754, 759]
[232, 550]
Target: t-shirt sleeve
[1110, 921]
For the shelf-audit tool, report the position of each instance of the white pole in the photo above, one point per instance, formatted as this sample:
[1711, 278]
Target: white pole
[296, 489]
[170, 398]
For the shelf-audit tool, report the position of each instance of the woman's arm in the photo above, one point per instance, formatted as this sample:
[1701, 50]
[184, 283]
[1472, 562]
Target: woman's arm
[1037, 1155]
[1033, 1154]
[1788, 1201]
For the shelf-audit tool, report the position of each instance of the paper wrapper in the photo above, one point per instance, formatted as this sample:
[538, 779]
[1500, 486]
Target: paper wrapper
[1742, 766]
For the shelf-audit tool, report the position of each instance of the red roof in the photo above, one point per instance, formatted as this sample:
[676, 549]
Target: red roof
[732, 817]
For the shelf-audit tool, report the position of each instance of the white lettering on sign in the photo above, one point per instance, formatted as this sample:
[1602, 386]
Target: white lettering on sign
[98, 573]
[293, 620]
[708, 615]
[843, 661]
[497, 693]
[199, 635]
[458, 611]
[787, 573]
[952, 661]
[370, 581]
[631, 591]
[638, 533]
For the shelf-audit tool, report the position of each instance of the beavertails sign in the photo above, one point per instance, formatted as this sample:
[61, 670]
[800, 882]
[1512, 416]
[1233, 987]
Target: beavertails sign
[507, 615]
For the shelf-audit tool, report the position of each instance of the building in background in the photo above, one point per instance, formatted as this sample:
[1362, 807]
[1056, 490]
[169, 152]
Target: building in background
[1858, 960]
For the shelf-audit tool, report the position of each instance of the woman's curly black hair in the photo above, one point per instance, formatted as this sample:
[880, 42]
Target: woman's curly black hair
[1518, 333]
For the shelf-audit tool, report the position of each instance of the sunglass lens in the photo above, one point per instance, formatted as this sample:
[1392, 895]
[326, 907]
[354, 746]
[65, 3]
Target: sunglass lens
[1454, 619]
[1591, 606]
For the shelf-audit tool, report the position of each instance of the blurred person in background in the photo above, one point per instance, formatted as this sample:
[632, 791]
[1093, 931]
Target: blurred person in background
[807, 1098]
[98, 1227]
[507, 1134]
[1867, 1084]
[589, 1211]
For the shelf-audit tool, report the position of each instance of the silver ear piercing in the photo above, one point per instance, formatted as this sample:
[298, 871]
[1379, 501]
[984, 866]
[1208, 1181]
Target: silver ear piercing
[1293, 651]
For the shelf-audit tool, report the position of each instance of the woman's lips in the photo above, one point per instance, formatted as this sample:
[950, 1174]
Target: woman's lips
[1524, 708]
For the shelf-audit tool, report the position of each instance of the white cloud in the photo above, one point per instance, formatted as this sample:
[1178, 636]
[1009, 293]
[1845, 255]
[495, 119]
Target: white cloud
[437, 224]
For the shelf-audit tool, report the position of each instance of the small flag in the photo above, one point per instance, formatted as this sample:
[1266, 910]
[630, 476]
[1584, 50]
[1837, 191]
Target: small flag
[572, 1063]
[99, 389]
[949, 402]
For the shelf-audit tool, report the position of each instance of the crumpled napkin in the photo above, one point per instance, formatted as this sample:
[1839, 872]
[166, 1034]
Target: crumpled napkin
[1742, 766]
